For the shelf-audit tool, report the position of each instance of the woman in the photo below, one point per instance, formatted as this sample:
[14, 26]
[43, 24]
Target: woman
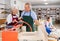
[12, 19]
[48, 25]
[51, 30]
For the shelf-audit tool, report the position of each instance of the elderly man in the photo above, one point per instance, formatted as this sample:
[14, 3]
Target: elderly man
[29, 16]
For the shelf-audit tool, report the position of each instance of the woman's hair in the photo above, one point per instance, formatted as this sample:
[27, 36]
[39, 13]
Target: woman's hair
[48, 18]
[11, 10]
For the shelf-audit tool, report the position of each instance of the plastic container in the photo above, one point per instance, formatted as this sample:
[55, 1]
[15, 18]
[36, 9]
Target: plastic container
[9, 36]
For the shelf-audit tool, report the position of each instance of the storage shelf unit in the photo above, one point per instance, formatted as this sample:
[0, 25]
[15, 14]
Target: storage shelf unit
[52, 12]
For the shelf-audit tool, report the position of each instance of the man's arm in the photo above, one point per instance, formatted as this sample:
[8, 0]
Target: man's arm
[34, 16]
[36, 22]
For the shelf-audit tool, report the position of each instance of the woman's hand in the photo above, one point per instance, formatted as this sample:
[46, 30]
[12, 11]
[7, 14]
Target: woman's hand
[15, 20]
[20, 18]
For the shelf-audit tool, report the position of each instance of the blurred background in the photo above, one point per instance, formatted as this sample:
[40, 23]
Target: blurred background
[42, 8]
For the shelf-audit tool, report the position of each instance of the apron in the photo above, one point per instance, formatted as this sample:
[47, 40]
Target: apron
[29, 20]
[14, 17]
[48, 29]
[10, 25]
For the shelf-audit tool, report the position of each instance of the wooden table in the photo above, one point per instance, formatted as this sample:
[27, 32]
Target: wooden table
[52, 39]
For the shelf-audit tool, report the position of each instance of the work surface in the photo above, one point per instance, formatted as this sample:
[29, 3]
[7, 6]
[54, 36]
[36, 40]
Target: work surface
[30, 36]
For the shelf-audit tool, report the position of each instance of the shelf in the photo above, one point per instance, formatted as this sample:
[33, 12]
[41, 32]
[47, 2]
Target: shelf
[47, 11]
[2, 4]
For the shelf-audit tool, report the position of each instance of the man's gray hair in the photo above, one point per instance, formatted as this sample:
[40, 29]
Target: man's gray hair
[28, 4]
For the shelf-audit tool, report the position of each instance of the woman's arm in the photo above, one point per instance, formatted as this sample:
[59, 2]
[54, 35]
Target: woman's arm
[9, 19]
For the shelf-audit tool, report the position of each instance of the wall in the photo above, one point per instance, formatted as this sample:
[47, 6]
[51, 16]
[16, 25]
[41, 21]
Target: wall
[7, 2]
[2, 1]
[19, 4]
[46, 6]
[2, 5]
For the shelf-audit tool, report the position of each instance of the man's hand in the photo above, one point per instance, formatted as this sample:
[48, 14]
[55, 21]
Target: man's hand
[36, 22]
